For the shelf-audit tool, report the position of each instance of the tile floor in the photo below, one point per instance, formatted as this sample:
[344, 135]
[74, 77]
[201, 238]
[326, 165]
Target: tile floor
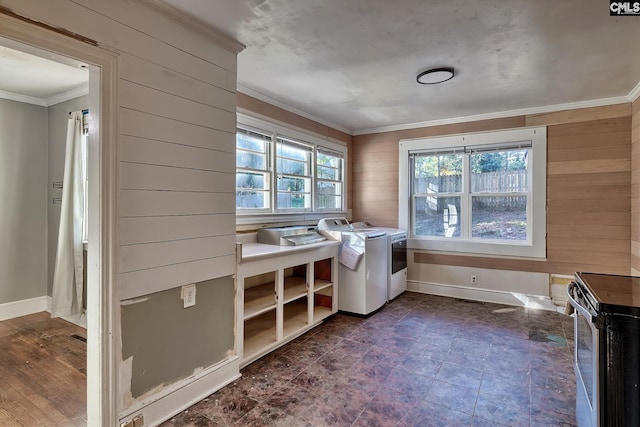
[421, 361]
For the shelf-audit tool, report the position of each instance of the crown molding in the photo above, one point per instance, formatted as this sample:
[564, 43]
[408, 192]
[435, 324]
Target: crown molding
[70, 94]
[635, 93]
[192, 22]
[23, 98]
[48, 102]
[498, 115]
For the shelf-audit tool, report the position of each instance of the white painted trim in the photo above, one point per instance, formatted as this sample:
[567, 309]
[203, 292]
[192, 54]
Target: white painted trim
[485, 295]
[631, 97]
[176, 397]
[70, 94]
[10, 310]
[266, 98]
[535, 247]
[498, 115]
[635, 93]
[23, 98]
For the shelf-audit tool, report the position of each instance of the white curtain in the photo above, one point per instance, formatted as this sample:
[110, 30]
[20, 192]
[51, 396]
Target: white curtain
[68, 275]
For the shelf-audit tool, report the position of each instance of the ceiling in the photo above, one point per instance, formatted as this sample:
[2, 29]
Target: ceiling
[39, 77]
[353, 63]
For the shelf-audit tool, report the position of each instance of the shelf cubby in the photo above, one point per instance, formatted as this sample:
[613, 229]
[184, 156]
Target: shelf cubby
[295, 317]
[295, 287]
[259, 299]
[281, 296]
[259, 333]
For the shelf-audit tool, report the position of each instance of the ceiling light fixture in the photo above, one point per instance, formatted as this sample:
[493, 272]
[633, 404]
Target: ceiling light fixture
[435, 75]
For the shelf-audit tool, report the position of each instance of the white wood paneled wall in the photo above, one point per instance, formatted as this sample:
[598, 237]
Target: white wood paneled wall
[177, 118]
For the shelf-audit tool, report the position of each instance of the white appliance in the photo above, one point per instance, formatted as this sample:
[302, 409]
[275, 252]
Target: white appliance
[362, 272]
[397, 258]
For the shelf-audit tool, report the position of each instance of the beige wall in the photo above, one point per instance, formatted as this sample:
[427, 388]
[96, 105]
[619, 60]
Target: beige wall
[23, 197]
[588, 188]
[635, 188]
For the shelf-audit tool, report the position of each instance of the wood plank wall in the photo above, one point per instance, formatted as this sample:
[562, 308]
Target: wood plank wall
[635, 188]
[177, 108]
[588, 188]
[251, 105]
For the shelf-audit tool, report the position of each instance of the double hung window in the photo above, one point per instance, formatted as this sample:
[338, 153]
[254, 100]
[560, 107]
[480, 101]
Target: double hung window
[280, 171]
[253, 170]
[482, 193]
[329, 179]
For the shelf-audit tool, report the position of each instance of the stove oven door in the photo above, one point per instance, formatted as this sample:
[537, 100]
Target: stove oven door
[585, 360]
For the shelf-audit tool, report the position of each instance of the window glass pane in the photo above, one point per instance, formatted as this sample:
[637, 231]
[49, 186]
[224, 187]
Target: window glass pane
[437, 216]
[292, 153]
[247, 199]
[329, 195]
[439, 173]
[251, 143]
[251, 180]
[329, 167]
[294, 200]
[325, 172]
[251, 160]
[500, 171]
[499, 217]
[292, 167]
[293, 184]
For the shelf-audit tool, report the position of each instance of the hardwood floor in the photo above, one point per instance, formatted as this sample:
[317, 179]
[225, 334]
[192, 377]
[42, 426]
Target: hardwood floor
[42, 372]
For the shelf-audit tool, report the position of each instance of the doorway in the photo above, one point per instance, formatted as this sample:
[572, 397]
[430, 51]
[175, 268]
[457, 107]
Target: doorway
[101, 365]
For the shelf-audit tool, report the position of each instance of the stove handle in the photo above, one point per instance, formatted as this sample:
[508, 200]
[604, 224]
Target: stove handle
[573, 287]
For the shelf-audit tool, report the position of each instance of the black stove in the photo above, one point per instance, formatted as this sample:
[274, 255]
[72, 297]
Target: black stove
[607, 349]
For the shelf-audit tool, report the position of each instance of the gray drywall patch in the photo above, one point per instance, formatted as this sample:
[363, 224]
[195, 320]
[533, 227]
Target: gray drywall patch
[168, 342]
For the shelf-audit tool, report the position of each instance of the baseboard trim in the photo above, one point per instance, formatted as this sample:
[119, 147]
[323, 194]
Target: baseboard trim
[177, 397]
[485, 295]
[23, 307]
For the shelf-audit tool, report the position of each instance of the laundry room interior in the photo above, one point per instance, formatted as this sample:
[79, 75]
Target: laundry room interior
[354, 213]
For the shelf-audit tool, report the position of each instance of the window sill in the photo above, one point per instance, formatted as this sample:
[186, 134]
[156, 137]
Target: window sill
[248, 222]
[471, 248]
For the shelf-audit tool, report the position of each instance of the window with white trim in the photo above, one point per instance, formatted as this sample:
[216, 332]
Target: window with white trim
[479, 193]
[282, 171]
[329, 179]
[253, 171]
[294, 175]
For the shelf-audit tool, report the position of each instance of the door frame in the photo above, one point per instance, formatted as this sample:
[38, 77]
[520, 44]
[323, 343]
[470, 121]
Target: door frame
[102, 294]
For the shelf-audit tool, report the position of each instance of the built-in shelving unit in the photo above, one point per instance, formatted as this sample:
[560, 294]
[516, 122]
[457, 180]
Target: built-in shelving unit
[282, 295]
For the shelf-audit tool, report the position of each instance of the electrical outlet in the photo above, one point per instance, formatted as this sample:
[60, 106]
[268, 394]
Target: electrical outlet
[188, 294]
[474, 279]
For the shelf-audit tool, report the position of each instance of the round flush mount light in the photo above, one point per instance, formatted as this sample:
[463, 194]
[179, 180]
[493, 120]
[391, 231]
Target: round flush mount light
[435, 75]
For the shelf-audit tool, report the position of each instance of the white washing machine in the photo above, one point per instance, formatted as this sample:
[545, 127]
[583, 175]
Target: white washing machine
[362, 272]
[397, 258]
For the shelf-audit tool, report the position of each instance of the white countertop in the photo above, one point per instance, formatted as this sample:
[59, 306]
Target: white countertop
[253, 251]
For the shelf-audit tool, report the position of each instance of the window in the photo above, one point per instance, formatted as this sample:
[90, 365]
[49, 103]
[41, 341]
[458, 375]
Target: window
[329, 181]
[253, 166]
[481, 193]
[293, 166]
[283, 171]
